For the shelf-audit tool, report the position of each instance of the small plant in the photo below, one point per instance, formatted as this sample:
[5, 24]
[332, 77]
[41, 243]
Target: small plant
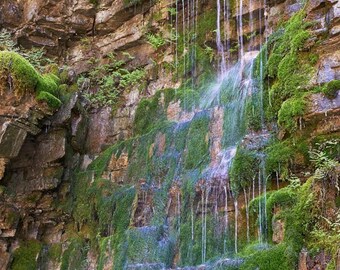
[105, 83]
[156, 41]
[209, 52]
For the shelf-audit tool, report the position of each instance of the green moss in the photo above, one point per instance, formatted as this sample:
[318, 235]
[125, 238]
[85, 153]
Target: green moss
[288, 70]
[299, 40]
[279, 157]
[149, 245]
[54, 252]
[244, 168]
[148, 114]
[273, 64]
[25, 79]
[74, 257]
[24, 76]
[51, 100]
[197, 151]
[25, 257]
[267, 259]
[331, 89]
[313, 58]
[290, 111]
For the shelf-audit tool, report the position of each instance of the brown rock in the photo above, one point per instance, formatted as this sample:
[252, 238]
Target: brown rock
[303, 260]
[278, 231]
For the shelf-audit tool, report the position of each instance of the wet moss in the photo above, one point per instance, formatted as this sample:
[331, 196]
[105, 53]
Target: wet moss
[148, 114]
[74, 257]
[244, 168]
[331, 89]
[287, 72]
[290, 111]
[197, 148]
[267, 259]
[25, 257]
[23, 78]
[55, 252]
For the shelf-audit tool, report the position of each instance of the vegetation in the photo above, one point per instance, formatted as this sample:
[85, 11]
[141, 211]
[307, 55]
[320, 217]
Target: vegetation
[198, 144]
[104, 85]
[25, 257]
[243, 170]
[308, 221]
[21, 77]
[156, 41]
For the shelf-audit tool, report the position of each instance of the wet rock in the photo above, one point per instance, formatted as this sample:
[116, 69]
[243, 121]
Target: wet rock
[11, 139]
[323, 114]
[117, 168]
[329, 68]
[100, 128]
[4, 260]
[9, 218]
[3, 162]
[303, 260]
[278, 231]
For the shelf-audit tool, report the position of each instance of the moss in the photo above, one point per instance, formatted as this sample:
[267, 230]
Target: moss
[148, 114]
[74, 257]
[54, 252]
[197, 148]
[24, 76]
[288, 70]
[313, 58]
[267, 259]
[25, 79]
[149, 245]
[51, 100]
[64, 77]
[299, 39]
[279, 157]
[244, 168]
[290, 111]
[48, 83]
[273, 64]
[25, 257]
[331, 89]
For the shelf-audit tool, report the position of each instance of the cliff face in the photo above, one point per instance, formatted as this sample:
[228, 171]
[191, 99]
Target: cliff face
[142, 182]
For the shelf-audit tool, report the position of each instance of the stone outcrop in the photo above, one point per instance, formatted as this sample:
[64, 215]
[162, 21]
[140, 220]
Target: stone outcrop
[40, 152]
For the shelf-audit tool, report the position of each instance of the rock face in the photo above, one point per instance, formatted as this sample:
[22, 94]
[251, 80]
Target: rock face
[47, 160]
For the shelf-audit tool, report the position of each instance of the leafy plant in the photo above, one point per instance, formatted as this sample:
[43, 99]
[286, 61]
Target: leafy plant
[105, 83]
[155, 41]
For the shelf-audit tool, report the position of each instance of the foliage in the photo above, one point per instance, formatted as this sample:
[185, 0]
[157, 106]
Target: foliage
[106, 82]
[36, 56]
[155, 40]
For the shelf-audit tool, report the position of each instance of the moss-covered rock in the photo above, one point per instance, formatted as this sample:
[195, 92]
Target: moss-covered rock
[19, 76]
[25, 257]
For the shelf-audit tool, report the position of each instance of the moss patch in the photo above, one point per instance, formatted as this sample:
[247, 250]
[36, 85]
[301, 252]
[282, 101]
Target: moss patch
[25, 257]
[20, 76]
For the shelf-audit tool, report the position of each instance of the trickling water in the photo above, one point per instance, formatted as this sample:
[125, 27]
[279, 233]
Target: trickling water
[220, 47]
[236, 224]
